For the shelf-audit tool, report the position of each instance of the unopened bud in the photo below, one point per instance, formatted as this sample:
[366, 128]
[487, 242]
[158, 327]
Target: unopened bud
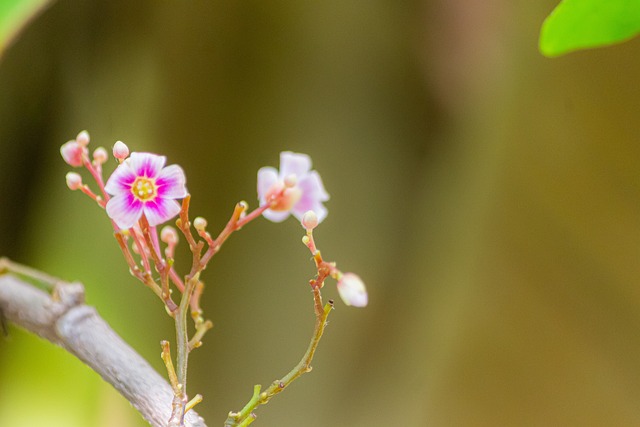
[120, 150]
[169, 235]
[83, 138]
[309, 220]
[200, 223]
[74, 180]
[100, 155]
[72, 153]
[352, 290]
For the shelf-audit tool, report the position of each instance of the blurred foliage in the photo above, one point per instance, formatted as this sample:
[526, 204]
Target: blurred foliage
[583, 24]
[489, 198]
[15, 15]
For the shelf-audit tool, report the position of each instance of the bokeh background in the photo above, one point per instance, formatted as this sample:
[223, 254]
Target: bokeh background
[488, 196]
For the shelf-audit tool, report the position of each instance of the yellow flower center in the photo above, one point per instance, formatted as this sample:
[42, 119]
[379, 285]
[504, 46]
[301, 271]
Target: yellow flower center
[144, 188]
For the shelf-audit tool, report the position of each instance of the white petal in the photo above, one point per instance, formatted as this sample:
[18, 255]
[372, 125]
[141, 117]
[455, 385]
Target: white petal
[314, 183]
[294, 164]
[267, 176]
[274, 216]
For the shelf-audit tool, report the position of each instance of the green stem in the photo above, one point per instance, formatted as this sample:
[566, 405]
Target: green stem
[182, 349]
[246, 416]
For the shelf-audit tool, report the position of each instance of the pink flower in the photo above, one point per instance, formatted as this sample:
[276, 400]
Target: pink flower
[141, 184]
[352, 290]
[295, 189]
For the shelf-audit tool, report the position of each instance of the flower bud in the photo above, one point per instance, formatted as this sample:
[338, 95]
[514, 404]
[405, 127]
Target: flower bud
[120, 150]
[74, 180]
[200, 224]
[72, 152]
[100, 155]
[83, 138]
[169, 235]
[309, 220]
[352, 290]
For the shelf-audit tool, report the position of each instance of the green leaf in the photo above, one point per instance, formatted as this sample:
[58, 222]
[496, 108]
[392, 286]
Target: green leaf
[582, 24]
[15, 15]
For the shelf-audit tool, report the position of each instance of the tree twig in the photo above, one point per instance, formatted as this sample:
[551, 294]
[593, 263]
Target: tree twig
[63, 319]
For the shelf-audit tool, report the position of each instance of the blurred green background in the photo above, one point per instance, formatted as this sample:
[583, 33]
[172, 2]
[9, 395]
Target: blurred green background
[488, 196]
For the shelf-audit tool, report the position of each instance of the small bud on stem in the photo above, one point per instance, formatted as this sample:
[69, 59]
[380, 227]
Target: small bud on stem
[74, 181]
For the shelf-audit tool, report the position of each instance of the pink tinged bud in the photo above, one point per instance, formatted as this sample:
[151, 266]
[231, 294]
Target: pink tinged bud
[352, 290]
[200, 224]
[73, 153]
[169, 235]
[100, 155]
[309, 220]
[74, 181]
[120, 150]
[83, 138]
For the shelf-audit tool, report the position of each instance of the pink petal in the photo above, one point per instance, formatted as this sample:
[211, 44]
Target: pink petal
[274, 216]
[170, 183]
[312, 183]
[124, 209]
[294, 163]
[147, 164]
[121, 179]
[267, 176]
[160, 210]
[313, 194]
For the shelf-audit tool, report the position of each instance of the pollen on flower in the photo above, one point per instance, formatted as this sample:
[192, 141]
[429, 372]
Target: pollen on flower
[144, 188]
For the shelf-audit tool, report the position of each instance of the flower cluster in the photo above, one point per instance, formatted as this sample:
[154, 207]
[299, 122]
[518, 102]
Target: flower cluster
[142, 193]
[142, 185]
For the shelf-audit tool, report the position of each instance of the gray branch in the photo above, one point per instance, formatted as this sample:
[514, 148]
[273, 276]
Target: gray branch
[64, 319]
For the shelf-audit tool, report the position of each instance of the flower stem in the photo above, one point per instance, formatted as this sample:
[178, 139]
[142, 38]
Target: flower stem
[246, 416]
[182, 349]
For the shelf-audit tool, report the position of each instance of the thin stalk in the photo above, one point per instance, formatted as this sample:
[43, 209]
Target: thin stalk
[246, 416]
